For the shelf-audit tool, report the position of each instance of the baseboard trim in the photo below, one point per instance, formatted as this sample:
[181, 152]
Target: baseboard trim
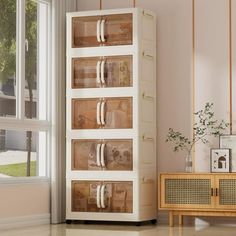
[22, 221]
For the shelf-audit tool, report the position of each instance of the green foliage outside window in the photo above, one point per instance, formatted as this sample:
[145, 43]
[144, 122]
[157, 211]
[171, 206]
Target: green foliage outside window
[8, 49]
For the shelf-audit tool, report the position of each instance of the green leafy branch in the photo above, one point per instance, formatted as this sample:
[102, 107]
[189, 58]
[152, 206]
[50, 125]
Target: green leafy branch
[205, 125]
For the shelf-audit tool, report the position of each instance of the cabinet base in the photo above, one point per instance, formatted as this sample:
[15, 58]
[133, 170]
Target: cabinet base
[181, 213]
[154, 221]
[136, 223]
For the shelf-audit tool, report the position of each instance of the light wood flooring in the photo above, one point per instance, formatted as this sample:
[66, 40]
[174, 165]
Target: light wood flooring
[118, 230]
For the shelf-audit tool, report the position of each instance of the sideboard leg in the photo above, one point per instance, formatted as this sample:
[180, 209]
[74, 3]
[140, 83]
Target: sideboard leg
[180, 220]
[171, 219]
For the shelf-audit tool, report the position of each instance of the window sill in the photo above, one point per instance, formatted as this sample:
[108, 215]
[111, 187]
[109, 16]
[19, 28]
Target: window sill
[23, 180]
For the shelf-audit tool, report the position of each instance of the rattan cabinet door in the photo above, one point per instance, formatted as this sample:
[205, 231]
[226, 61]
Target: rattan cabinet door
[186, 192]
[225, 191]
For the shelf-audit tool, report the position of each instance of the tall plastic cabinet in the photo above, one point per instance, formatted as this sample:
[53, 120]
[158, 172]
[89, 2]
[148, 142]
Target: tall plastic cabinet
[111, 115]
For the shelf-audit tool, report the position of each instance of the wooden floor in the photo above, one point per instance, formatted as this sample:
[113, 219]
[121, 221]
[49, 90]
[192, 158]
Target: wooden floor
[118, 230]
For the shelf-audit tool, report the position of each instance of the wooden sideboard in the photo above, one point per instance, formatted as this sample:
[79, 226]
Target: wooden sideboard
[197, 194]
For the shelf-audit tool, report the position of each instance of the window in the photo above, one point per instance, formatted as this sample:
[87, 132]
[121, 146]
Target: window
[25, 119]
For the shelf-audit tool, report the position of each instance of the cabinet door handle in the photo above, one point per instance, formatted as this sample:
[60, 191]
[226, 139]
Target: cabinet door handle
[103, 30]
[146, 138]
[98, 79]
[98, 151]
[98, 113]
[103, 155]
[98, 196]
[147, 180]
[103, 196]
[99, 31]
[216, 192]
[147, 97]
[102, 72]
[103, 113]
[212, 192]
[150, 57]
[147, 14]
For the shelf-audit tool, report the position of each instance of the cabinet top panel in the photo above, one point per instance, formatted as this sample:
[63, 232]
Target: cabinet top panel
[106, 28]
[110, 12]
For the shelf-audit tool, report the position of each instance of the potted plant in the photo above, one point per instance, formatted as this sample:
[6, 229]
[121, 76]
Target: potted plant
[206, 125]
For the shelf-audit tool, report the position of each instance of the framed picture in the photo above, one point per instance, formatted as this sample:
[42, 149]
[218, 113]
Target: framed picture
[220, 160]
[229, 141]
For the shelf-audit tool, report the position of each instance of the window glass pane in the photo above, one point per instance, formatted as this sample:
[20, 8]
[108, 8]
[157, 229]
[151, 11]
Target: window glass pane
[22, 153]
[7, 57]
[36, 20]
[31, 59]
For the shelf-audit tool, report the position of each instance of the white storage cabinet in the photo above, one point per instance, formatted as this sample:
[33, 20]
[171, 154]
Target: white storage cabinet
[111, 115]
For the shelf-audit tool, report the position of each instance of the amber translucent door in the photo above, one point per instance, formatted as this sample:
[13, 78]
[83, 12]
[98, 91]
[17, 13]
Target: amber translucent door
[118, 29]
[84, 196]
[84, 31]
[108, 30]
[95, 154]
[95, 72]
[95, 196]
[117, 197]
[84, 113]
[117, 113]
[110, 113]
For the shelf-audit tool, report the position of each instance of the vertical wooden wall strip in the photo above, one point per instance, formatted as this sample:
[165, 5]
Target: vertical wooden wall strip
[230, 67]
[211, 68]
[193, 77]
[233, 55]
[100, 4]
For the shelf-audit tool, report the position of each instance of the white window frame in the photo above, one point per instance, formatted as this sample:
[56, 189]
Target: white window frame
[20, 123]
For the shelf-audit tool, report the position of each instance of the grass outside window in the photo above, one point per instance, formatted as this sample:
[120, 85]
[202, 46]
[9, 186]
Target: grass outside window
[18, 170]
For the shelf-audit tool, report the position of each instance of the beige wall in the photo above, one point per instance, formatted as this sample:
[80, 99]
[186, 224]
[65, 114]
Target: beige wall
[176, 59]
[234, 62]
[174, 83]
[175, 53]
[24, 204]
[213, 66]
[19, 200]
[174, 48]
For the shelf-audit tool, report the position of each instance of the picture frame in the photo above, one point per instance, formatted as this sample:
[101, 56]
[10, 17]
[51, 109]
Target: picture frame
[229, 141]
[220, 160]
